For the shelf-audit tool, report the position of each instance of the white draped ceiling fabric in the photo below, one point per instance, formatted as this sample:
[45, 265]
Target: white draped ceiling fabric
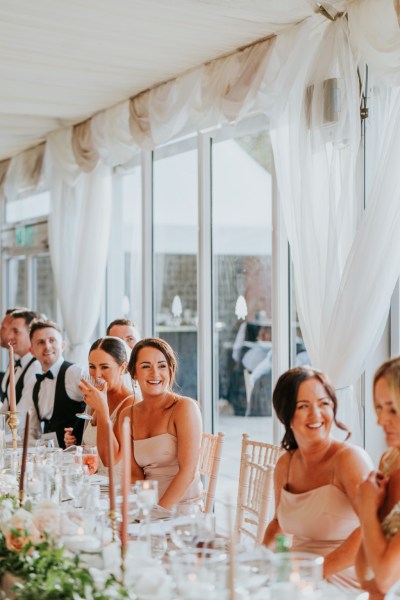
[343, 292]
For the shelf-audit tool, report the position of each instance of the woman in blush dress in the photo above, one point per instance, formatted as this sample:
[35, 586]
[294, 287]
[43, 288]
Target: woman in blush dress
[165, 427]
[378, 498]
[107, 363]
[316, 478]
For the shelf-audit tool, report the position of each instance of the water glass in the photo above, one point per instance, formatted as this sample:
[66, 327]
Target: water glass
[73, 480]
[9, 462]
[2, 432]
[252, 567]
[191, 527]
[33, 483]
[197, 573]
[154, 539]
[147, 494]
[296, 574]
[81, 531]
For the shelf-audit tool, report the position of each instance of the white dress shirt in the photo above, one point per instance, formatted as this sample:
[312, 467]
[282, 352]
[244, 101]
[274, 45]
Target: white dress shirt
[33, 369]
[47, 392]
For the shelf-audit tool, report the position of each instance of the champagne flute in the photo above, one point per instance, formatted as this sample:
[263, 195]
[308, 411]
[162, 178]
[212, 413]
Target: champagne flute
[98, 383]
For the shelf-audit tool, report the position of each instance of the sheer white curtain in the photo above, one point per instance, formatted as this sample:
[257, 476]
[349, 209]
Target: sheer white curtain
[374, 29]
[345, 268]
[79, 226]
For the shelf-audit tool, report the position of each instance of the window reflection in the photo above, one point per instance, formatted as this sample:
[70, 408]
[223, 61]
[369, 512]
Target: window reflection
[16, 282]
[130, 294]
[175, 256]
[44, 292]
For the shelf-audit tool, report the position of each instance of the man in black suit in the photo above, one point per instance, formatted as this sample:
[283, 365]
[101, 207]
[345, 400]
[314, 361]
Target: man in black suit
[25, 364]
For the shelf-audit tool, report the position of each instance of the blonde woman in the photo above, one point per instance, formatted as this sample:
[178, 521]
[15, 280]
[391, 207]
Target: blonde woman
[378, 498]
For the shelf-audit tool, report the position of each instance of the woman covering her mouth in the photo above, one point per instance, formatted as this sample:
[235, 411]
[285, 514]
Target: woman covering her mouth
[317, 477]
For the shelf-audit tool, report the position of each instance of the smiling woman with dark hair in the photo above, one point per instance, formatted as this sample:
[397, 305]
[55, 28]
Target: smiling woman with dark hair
[316, 478]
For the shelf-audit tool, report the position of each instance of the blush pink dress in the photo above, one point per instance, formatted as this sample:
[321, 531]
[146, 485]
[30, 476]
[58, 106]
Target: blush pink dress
[158, 457]
[320, 520]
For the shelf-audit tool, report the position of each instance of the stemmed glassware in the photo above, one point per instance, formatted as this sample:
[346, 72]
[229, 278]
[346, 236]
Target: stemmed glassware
[147, 497]
[98, 383]
[90, 458]
[191, 527]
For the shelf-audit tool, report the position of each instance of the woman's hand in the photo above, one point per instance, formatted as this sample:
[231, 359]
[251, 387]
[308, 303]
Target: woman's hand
[69, 439]
[95, 397]
[371, 493]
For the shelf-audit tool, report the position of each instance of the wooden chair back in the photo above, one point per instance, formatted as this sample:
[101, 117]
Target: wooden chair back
[255, 487]
[209, 464]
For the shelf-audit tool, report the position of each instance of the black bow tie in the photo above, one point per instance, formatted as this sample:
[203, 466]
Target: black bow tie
[41, 376]
[17, 363]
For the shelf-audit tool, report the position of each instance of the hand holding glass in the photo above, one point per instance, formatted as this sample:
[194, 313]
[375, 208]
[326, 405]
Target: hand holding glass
[98, 384]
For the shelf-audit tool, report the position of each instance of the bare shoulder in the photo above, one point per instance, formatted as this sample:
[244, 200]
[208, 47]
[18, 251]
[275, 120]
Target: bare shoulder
[352, 462]
[125, 412]
[186, 405]
[281, 468]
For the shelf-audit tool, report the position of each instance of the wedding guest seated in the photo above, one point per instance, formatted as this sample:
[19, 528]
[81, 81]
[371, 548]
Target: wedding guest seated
[16, 332]
[378, 498]
[124, 329]
[107, 363]
[165, 427]
[52, 397]
[316, 479]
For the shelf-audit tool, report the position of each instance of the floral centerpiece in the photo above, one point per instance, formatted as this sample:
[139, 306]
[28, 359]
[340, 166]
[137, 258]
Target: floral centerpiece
[39, 567]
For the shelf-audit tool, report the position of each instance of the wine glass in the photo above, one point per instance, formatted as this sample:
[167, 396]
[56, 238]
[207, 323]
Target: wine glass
[98, 383]
[186, 525]
[155, 539]
[73, 481]
[90, 458]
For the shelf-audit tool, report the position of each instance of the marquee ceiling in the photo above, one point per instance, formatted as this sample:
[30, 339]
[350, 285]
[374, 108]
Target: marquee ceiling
[61, 61]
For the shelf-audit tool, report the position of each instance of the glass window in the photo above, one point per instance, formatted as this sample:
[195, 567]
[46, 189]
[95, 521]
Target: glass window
[16, 282]
[242, 290]
[30, 207]
[131, 303]
[298, 352]
[44, 295]
[175, 256]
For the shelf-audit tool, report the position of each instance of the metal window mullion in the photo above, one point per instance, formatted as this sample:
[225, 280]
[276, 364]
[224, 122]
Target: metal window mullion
[280, 299]
[147, 245]
[205, 354]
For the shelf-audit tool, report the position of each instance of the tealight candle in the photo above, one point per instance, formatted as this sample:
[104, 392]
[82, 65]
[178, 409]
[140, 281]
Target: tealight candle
[146, 497]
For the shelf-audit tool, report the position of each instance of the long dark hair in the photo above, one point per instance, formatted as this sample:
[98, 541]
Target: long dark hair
[285, 396]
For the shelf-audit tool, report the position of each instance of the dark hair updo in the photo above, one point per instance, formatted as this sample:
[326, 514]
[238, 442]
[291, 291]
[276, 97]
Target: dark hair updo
[113, 346]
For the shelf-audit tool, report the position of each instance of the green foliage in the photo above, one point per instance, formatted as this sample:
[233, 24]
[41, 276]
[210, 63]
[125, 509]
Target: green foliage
[47, 572]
